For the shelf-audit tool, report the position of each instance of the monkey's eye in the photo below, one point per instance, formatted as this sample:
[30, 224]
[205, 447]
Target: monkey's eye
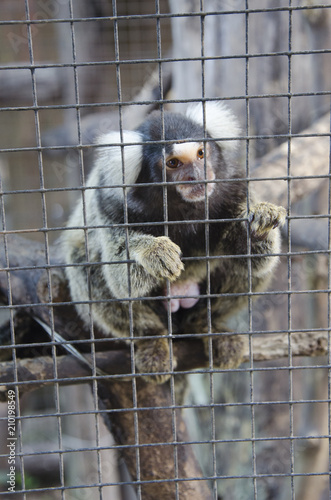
[173, 163]
[200, 154]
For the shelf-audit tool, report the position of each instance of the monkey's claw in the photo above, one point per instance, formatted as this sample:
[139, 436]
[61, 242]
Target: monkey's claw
[162, 259]
[264, 217]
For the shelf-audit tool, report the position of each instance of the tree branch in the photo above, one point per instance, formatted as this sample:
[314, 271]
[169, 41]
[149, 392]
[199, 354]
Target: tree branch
[309, 163]
[33, 373]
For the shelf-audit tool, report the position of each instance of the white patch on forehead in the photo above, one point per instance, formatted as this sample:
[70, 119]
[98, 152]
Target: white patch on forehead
[186, 150]
[219, 121]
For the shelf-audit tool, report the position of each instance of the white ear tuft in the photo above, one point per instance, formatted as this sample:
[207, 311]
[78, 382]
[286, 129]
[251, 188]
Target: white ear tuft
[220, 123]
[110, 158]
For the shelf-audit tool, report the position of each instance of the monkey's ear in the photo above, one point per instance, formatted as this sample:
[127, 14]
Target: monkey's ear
[119, 152]
[220, 123]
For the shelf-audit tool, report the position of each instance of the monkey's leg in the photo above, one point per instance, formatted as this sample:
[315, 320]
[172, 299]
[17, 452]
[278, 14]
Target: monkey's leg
[152, 355]
[140, 324]
[226, 349]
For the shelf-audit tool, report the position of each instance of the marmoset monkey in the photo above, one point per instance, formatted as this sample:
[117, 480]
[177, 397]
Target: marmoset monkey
[167, 203]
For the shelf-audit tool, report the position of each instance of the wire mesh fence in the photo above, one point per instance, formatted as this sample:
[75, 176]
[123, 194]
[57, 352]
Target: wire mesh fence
[255, 427]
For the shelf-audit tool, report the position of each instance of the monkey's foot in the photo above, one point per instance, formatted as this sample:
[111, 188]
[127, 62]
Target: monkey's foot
[227, 350]
[153, 356]
[162, 258]
[263, 217]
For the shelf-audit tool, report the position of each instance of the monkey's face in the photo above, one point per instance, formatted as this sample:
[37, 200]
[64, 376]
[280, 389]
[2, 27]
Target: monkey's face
[190, 163]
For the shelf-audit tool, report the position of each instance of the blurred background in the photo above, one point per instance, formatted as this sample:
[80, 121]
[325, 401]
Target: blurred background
[62, 78]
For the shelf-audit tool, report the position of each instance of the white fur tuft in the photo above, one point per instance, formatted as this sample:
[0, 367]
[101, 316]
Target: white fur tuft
[220, 122]
[110, 158]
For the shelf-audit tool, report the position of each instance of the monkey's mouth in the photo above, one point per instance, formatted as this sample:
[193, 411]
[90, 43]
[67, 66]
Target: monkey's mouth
[195, 192]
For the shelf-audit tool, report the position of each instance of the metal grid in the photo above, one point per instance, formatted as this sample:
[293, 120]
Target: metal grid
[248, 472]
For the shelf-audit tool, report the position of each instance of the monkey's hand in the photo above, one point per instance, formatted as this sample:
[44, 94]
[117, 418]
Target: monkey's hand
[160, 258]
[263, 217]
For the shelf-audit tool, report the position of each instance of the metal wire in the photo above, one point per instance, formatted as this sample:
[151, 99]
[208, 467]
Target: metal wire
[247, 469]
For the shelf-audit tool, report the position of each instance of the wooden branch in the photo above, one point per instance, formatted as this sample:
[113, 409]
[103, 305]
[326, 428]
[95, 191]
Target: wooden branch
[309, 156]
[39, 371]
[157, 435]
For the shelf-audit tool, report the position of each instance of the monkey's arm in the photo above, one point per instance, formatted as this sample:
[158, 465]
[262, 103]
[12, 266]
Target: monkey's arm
[154, 260]
[258, 238]
[233, 277]
[253, 249]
